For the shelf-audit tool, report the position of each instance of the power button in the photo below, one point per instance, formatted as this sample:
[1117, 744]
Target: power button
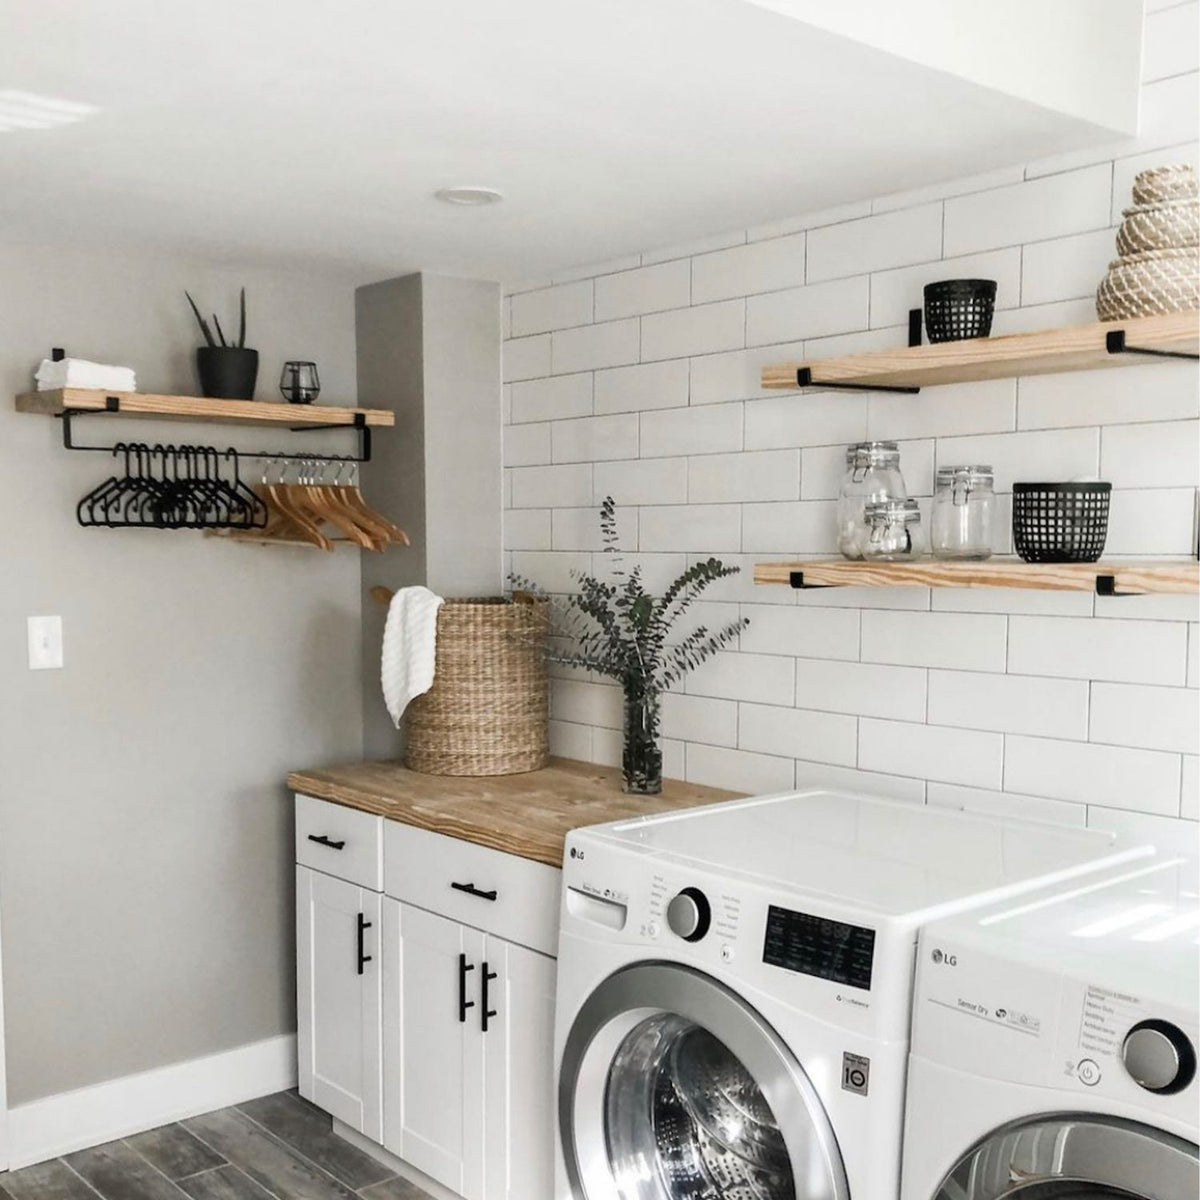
[1088, 1072]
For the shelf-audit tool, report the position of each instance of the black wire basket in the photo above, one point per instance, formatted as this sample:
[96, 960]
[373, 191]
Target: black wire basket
[1060, 522]
[959, 309]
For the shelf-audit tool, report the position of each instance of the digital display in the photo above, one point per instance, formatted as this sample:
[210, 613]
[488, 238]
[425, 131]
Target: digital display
[817, 946]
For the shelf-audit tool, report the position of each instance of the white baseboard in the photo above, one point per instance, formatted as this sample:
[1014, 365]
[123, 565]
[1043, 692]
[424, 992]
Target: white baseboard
[436, 1190]
[117, 1108]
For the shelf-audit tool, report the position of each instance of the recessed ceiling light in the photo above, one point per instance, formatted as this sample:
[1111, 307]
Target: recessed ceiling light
[25, 110]
[474, 196]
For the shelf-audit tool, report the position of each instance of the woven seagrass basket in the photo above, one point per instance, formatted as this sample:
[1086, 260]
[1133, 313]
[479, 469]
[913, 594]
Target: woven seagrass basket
[488, 710]
[1171, 225]
[1159, 185]
[1149, 284]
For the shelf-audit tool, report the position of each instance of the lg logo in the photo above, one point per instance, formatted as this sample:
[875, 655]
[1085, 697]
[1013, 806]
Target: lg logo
[941, 958]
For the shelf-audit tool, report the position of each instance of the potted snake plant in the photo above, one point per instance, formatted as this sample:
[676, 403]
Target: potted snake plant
[227, 369]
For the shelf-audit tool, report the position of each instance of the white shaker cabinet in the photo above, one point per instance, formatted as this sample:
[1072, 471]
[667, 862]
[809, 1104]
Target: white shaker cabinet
[338, 999]
[433, 1034]
[518, 1067]
[433, 1068]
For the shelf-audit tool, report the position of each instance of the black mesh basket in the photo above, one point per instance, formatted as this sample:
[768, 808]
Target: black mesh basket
[959, 309]
[1060, 522]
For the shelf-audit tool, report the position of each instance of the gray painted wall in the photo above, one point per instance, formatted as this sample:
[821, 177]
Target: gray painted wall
[429, 347]
[145, 830]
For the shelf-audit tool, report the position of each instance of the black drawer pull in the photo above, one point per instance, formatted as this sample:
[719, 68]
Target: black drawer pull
[324, 840]
[363, 926]
[487, 1012]
[472, 890]
[463, 1002]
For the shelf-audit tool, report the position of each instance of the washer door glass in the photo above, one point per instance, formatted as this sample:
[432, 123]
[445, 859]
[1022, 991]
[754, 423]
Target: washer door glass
[672, 1087]
[685, 1119]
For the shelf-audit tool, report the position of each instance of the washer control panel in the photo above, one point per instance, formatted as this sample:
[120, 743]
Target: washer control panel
[689, 914]
[818, 946]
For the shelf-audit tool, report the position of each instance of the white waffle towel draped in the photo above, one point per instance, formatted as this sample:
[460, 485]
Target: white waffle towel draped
[79, 373]
[409, 646]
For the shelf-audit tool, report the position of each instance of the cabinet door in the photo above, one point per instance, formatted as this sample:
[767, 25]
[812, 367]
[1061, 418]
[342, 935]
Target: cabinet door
[338, 999]
[519, 1073]
[433, 1058]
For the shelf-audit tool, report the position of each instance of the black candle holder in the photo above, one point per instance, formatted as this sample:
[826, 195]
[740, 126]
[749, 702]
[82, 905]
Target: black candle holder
[300, 383]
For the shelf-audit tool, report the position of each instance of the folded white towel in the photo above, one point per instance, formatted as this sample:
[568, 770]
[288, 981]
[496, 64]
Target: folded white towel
[409, 644]
[79, 373]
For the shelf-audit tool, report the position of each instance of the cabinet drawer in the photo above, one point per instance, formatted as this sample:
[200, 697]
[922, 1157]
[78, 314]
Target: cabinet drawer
[504, 894]
[340, 841]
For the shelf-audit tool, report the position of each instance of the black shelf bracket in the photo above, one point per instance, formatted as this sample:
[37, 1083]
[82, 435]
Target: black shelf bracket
[1106, 585]
[1115, 343]
[916, 317]
[796, 580]
[112, 404]
[804, 379]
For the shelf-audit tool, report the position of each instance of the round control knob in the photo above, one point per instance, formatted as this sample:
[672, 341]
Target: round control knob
[689, 914]
[1159, 1057]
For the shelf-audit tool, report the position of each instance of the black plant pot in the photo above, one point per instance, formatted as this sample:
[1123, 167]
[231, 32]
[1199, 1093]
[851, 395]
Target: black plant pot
[227, 372]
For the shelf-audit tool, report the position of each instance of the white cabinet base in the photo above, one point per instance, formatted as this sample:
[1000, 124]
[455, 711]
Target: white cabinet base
[403, 1169]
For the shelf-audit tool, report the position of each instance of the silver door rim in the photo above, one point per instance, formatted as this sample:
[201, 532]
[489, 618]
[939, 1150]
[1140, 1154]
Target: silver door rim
[642, 990]
[1083, 1148]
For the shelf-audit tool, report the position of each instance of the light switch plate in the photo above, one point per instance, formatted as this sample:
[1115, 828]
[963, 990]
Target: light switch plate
[45, 643]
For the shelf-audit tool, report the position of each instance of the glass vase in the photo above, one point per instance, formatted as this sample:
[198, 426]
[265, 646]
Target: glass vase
[642, 757]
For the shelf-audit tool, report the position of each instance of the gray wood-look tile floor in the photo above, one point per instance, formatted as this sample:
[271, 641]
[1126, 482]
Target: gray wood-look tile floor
[276, 1148]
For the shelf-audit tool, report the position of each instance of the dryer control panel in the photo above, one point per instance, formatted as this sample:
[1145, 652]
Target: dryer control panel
[1041, 1025]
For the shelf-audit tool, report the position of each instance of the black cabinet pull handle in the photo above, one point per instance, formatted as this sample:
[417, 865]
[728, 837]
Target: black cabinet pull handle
[324, 840]
[487, 1012]
[363, 926]
[463, 1002]
[472, 890]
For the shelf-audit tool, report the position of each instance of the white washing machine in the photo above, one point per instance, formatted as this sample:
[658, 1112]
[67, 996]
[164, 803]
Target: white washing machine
[735, 982]
[1054, 1045]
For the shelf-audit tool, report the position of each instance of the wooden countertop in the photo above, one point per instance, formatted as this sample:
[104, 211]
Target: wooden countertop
[529, 815]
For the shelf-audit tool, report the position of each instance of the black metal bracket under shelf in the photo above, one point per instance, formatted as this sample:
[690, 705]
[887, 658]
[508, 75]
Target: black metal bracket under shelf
[1115, 343]
[1106, 585]
[796, 580]
[804, 379]
[112, 404]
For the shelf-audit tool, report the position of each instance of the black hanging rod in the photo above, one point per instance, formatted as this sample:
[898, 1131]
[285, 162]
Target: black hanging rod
[804, 379]
[112, 404]
[1114, 343]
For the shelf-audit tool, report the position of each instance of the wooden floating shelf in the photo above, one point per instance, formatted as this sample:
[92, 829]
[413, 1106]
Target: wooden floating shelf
[1106, 578]
[1072, 348]
[197, 408]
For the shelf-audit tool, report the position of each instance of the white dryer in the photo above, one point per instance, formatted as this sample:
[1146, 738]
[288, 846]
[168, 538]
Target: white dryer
[735, 983]
[1054, 1045]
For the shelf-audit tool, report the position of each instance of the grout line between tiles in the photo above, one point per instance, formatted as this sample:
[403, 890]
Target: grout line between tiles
[86, 1184]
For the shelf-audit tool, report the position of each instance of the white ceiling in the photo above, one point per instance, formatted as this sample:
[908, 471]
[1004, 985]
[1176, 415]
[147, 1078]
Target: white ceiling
[316, 131]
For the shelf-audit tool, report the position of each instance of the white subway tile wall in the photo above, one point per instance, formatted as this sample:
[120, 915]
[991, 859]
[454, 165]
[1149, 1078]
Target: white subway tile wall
[640, 379]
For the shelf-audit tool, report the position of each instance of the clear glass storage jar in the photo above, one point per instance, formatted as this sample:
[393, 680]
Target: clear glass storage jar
[964, 510]
[892, 530]
[872, 474]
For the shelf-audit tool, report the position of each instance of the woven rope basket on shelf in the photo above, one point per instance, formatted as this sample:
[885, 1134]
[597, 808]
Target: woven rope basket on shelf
[1169, 226]
[1150, 284]
[1158, 270]
[1160, 185]
[488, 710]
